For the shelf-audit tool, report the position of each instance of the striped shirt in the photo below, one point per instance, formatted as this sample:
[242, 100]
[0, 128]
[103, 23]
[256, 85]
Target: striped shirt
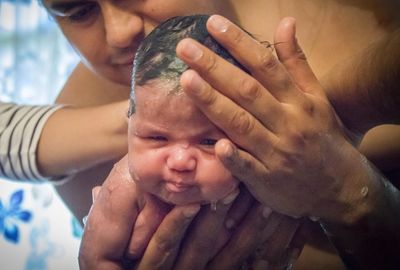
[20, 129]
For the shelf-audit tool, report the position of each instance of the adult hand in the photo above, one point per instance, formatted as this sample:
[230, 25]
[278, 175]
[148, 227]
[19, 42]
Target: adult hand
[117, 209]
[258, 238]
[294, 148]
[126, 229]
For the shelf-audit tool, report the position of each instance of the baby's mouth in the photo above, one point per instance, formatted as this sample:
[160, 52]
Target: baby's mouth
[177, 187]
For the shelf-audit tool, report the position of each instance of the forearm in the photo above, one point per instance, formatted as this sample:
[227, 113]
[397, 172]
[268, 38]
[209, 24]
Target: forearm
[20, 129]
[74, 139]
[370, 239]
[365, 90]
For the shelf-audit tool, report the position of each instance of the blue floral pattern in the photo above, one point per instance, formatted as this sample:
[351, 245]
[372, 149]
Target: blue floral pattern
[12, 215]
[35, 61]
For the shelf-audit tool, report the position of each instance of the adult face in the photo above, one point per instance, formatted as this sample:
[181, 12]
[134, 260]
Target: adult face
[106, 33]
[171, 149]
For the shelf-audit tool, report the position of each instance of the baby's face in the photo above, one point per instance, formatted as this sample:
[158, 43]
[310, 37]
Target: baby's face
[171, 150]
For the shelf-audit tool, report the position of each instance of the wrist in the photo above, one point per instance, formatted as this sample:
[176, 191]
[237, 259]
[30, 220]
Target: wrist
[367, 236]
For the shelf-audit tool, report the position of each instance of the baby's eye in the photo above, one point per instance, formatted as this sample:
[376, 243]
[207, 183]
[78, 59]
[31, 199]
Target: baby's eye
[209, 142]
[83, 13]
[157, 138]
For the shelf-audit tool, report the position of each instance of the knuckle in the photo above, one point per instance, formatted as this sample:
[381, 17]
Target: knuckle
[290, 161]
[236, 36]
[249, 89]
[266, 61]
[211, 63]
[298, 140]
[164, 243]
[301, 55]
[309, 108]
[208, 97]
[133, 253]
[246, 165]
[241, 122]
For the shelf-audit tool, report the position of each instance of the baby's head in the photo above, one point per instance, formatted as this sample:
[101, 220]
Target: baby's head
[171, 142]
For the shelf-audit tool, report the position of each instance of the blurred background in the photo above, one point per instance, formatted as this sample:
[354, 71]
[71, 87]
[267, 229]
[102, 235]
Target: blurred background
[37, 231]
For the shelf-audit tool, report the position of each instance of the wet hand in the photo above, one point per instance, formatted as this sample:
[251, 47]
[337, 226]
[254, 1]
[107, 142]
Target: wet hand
[257, 238]
[128, 230]
[292, 152]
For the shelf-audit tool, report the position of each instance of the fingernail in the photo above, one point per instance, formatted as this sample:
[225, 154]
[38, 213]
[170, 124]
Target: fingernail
[218, 23]
[95, 193]
[266, 212]
[231, 197]
[229, 150]
[191, 210]
[230, 223]
[191, 51]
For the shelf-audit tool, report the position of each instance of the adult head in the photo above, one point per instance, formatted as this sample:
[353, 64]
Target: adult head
[106, 33]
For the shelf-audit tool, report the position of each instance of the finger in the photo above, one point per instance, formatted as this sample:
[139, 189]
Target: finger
[276, 250]
[293, 58]
[239, 209]
[278, 239]
[295, 246]
[199, 244]
[146, 224]
[244, 240]
[164, 245]
[110, 220]
[256, 57]
[95, 192]
[238, 124]
[242, 88]
[250, 171]
[283, 246]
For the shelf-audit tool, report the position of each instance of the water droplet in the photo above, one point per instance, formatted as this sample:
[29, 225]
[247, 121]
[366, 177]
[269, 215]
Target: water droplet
[315, 219]
[364, 191]
[213, 206]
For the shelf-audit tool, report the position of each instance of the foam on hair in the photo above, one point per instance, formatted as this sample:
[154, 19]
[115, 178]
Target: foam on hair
[156, 56]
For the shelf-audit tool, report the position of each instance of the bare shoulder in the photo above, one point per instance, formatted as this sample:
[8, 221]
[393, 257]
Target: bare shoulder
[84, 88]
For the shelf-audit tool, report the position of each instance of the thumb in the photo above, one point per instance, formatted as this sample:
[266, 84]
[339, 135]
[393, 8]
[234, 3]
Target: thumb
[293, 58]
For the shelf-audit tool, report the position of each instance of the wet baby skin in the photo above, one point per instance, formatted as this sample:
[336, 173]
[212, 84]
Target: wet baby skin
[171, 148]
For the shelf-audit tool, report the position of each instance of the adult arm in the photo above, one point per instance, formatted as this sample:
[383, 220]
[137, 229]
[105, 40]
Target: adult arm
[20, 130]
[85, 89]
[74, 138]
[48, 142]
[298, 159]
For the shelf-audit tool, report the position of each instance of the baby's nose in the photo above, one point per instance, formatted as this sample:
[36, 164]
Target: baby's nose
[181, 158]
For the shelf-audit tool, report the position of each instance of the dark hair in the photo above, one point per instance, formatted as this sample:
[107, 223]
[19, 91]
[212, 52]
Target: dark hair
[156, 56]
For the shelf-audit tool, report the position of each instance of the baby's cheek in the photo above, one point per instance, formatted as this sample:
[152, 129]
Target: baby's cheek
[219, 184]
[141, 167]
[146, 170]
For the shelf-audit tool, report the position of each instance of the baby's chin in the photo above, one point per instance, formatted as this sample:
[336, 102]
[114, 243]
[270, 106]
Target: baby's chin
[185, 199]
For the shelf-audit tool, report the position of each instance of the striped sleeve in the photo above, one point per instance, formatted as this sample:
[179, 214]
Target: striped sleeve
[20, 129]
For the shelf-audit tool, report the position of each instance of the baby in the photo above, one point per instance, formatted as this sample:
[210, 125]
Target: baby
[171, 142]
